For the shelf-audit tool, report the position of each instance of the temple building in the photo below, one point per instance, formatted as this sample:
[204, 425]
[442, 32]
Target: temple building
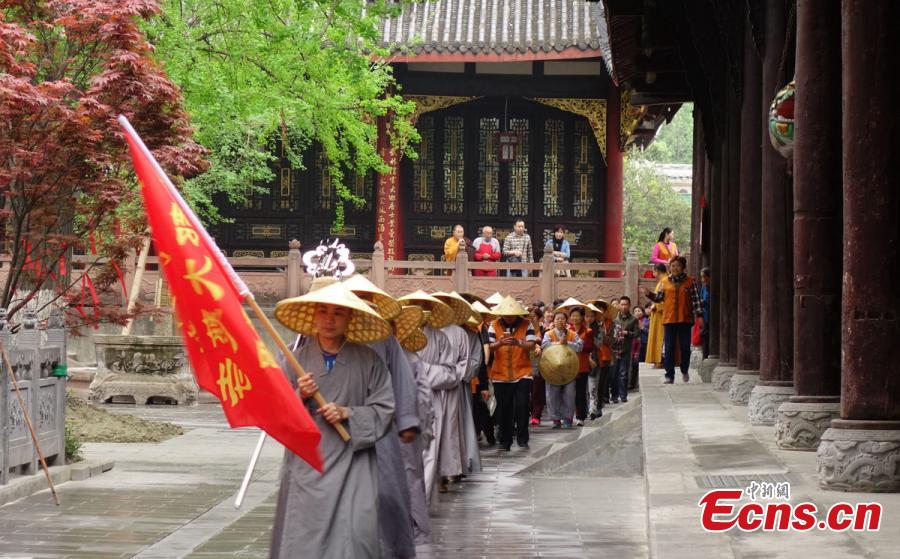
[518, 118]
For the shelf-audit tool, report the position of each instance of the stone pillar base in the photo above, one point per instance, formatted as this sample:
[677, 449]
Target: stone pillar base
[721, 377]
[852, 457]
[764, 401]
[708, 367]
[742, 383]
[697, 360]
[799, 425]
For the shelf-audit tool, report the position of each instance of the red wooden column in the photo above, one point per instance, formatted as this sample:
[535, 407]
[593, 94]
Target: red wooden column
[861, 450]
[817, 229]
[776, 340]
[612, 220]
[388, 205]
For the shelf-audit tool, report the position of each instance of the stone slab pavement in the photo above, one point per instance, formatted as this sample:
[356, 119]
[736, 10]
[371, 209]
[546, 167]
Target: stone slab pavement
[174, 499]
[691, 432]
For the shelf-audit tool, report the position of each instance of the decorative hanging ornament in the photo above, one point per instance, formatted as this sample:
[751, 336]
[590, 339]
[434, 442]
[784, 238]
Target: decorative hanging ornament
[781, 121]
[329, 259]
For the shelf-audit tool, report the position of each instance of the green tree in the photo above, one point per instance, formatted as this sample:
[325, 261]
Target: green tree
[674, 143]
[651, 205]
[253, 73]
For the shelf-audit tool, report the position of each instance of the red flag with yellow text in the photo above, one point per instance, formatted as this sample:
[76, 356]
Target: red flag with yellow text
[227, 355]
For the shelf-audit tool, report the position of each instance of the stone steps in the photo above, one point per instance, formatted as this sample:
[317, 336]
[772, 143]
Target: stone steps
[610, 446]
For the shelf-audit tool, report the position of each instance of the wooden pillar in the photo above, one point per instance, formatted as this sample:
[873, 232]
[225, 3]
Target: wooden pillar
[817, 228]
[749, 214]
[613, 223]
[388, 208]
[776, 353]
[714, 197]
[861, 450]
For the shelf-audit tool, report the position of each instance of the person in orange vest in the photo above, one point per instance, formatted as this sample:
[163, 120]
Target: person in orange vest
[511, 337]
[681, 304]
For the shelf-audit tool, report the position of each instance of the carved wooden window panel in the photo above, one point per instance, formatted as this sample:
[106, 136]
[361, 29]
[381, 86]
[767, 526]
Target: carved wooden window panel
[554, 166]
[488, 167]
[518, 171]
[454, 181]
[585, 164]
[423, 168]
[323, 191]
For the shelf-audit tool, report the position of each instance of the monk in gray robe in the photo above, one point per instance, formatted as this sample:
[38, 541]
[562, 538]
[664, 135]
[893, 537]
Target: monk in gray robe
[450, 457]
[440, 373]
[397, 536]
[412, 453]
[471, 458]
[334, 514]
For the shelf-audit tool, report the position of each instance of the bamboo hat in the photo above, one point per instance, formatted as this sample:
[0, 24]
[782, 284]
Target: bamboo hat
[471, 298]
[416, 341]
[408, 321]
[387, 306]
[440, 314]
[509, 307]
[599, 304]
[365, 325]
[487, 315]
[461, 308]
[494, 299]
[569, 304]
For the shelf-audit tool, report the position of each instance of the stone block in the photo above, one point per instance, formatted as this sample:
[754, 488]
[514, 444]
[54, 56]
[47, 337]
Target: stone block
[143, 368]
[763, 403]
[862, 460]
[800, 425]
[741, 385]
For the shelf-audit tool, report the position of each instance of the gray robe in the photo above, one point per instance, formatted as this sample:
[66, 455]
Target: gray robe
[471, 458]
[335, 514]
[412, 454]
[395, 519]
[439, 373]
[451, 448]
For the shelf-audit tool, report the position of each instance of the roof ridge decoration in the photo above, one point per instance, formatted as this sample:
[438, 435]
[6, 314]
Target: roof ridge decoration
[594, 110]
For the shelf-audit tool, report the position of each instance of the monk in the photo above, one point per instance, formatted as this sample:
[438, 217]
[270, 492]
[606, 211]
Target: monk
[335, 513]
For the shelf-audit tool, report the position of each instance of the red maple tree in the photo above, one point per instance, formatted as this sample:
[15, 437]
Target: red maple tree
[67, 69]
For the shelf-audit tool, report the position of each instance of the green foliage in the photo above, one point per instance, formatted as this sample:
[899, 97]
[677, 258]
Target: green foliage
[253, 73]
[73, 445]
[675, 141]
[651, 205]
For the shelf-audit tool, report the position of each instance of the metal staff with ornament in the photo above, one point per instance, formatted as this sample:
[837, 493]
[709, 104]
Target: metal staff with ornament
[332, 260]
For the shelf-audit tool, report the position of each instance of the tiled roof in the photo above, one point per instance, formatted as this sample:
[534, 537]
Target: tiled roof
[482, 28]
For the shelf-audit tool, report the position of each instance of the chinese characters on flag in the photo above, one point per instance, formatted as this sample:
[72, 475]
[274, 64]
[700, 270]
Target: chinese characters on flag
[227, 355]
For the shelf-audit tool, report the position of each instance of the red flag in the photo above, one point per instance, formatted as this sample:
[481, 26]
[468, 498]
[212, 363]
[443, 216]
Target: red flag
[228, 357]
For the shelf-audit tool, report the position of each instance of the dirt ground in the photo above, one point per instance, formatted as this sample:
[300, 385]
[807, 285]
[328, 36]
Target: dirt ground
[91, 424]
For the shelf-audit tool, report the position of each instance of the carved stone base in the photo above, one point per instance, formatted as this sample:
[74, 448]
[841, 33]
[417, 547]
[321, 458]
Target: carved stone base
[866, 460]
[721, 376]
[142, 368]
[764, 401]
[799, 425]
[741, 385]
[708, 368]
[697, 360]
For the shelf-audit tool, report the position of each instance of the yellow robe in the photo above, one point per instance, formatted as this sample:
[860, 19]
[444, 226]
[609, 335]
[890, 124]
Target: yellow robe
[655, 336]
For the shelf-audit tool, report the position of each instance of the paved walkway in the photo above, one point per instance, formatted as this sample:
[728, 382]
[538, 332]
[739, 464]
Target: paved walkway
[174, 499]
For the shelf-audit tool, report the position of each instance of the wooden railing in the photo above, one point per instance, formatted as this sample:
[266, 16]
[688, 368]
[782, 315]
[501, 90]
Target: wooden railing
[273, 279]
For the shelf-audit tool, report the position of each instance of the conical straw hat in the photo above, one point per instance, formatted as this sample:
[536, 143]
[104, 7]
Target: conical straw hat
[440, 314]
[509, 307]
[487, 315]
[387, 306]
[598, 303]
[365, 325]
[592, 308]
[569, 304]
[460, 306]
[408, 321]
[471, 298]
[495, 299]
[416, 341]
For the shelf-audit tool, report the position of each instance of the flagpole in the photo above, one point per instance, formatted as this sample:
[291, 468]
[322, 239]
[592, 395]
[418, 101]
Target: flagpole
[289, 355]
[34, 439]
[254, 458]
